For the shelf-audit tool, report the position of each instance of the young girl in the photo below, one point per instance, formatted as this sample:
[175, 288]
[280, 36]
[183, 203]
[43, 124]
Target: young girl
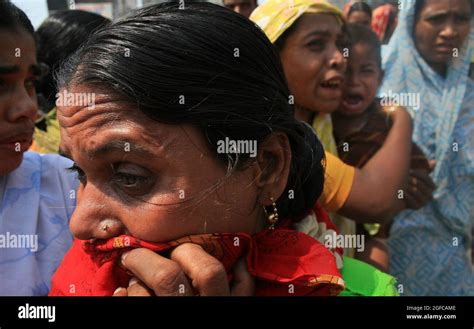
[358, 13]
[362, 123]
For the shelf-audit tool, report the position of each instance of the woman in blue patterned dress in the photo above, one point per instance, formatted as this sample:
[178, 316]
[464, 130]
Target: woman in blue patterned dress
[429, 57]
[37, 193]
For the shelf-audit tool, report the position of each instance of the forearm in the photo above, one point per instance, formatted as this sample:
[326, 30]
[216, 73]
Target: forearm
[376, 191]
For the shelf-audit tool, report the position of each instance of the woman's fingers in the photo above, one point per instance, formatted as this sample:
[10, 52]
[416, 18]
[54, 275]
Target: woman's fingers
[243, 283]
[165, 277]
[120, 292]
[158, 273]
[207, 274]
[137, 288]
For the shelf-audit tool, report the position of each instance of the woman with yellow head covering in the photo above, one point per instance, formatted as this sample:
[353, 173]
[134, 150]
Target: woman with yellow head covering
[309, 36]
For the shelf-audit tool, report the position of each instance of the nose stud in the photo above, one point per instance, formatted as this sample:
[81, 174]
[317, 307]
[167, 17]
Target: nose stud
[105, 227]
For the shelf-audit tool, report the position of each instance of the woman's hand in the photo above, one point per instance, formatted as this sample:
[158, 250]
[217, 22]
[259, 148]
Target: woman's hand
[190, 271]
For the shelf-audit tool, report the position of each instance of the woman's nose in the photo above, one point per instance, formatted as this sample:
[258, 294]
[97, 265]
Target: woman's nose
[22, 106]
[337, 60]
[449, 31]
[92, 219]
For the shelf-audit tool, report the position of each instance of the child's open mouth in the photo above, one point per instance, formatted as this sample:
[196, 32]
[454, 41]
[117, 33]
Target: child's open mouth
[353, 103]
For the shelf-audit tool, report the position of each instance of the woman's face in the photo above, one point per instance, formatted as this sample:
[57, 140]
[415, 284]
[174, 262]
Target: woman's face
[313, 63]
[360, 17]
[441, 29]
[155, 181]
[18, 107]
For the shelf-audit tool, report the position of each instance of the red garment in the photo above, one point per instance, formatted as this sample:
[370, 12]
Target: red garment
[381, 17]
[276, 258]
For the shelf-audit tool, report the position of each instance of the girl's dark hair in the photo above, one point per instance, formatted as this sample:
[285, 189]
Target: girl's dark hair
[206, 66]
[358, 33]
[11, 17]
[360, 6]
[59, 36]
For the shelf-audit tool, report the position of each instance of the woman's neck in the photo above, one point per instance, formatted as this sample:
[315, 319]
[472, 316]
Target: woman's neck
[441, 69]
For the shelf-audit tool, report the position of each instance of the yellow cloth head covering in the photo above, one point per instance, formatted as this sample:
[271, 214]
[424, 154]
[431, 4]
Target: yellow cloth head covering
[275, 16]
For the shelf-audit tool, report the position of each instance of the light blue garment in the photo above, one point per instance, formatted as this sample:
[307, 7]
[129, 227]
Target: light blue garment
[38, 199]
[430, 247]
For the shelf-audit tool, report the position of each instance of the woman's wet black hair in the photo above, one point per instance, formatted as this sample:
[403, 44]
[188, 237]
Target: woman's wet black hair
[360, 6]
[11, 17]
[58, 37]
[206, 66]
[358, 33]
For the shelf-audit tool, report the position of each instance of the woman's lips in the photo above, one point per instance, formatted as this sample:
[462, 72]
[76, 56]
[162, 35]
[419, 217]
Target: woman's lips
[445, 49]
[16, 145]
[332, 87]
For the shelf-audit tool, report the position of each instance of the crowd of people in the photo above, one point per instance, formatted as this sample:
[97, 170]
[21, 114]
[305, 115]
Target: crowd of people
[287, 148]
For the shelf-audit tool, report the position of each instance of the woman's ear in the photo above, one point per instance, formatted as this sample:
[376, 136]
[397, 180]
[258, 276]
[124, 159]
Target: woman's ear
[273, 167]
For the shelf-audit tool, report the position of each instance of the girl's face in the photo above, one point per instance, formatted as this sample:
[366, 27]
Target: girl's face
[155, 181]
[313, 62]
[441, 29]
[18, 107]
[363, 78]
[360, 17]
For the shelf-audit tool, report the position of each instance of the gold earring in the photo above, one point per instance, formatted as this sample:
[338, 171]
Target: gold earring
[273, 217]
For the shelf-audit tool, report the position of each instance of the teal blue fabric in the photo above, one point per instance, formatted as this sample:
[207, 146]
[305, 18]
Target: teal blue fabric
[430, 247]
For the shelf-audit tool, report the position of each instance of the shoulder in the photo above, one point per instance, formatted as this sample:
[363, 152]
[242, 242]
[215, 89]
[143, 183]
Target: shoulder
[52, 170]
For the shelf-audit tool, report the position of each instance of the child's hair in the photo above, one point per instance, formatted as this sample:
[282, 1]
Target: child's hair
[360, 6]
[59, 36]
[362, 34]
[11, 17]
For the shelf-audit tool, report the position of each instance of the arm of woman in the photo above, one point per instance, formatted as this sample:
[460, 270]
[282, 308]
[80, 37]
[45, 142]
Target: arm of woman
[374, 195]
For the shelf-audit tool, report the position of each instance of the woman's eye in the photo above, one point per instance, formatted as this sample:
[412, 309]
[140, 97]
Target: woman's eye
[462, 19]
[3, 86]
[128, 180]
[79, 172]
[132, 179]
[31, 83]
[437, 19]
[316, 44]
